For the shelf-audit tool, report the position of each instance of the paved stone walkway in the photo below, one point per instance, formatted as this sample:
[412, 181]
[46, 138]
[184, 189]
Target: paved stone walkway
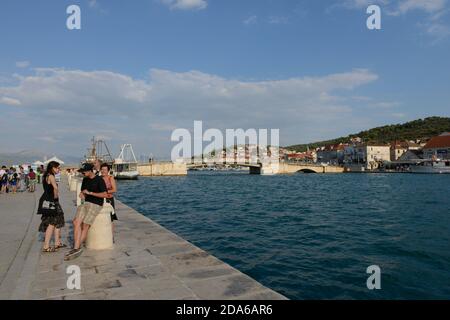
[16, 237]
[147, 262]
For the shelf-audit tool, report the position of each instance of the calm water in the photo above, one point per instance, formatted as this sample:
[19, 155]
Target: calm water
[312, 236]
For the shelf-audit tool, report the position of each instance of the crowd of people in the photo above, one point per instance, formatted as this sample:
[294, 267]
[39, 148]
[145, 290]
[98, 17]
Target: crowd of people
[21, 179]
[97, 192]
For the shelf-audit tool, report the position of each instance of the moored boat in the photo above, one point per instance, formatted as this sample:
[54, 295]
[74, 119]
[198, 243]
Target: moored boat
[125, 166]
[431, 166]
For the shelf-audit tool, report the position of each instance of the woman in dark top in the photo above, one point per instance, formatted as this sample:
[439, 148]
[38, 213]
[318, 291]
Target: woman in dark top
[112, 189]
[50, 209]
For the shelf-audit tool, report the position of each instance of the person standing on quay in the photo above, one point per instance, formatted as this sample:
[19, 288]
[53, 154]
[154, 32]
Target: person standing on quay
[31, 181]
[42, 172]
[12, 180]
[93, 192]
[97, 167]
[38, 174]
[111, 186]
[52, 214]
[22, 180]
[3, 179]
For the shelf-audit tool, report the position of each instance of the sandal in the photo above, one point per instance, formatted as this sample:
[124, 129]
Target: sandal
[61, 245]
[49, 249]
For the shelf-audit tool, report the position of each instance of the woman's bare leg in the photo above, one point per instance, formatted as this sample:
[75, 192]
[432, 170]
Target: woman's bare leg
[48, 236]
[57, 236]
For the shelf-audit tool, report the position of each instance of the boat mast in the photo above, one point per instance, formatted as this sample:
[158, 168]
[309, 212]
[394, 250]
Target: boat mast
[127, 154]
[99, 150]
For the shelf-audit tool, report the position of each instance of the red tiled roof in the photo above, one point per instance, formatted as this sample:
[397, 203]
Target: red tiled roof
[403, 144]
[438, 142]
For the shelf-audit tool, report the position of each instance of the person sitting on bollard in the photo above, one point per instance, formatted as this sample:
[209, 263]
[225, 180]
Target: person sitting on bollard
[93, 192]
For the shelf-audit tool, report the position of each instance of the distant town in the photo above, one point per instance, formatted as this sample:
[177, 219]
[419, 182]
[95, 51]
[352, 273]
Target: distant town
[360, 155]
[369, 152]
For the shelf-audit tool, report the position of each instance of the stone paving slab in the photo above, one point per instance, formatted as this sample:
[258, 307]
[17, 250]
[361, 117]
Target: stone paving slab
[147, 262]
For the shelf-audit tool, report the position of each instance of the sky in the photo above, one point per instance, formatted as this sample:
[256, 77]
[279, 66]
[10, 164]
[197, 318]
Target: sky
[137, 70]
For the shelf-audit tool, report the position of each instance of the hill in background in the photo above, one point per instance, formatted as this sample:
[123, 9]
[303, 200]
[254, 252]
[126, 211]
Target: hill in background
[422, 129]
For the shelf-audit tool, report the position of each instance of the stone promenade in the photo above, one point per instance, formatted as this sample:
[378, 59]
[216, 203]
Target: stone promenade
[148, 261]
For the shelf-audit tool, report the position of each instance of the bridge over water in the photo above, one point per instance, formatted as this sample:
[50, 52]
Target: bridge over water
[279, 167]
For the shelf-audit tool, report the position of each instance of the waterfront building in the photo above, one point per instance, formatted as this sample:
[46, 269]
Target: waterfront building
[398, 148]
[411, 155]
[307, 156]
[438, 147]
[369, 156]
[333, 154]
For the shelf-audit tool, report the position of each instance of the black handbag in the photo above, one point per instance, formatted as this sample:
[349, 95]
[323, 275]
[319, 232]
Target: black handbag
[48, 206]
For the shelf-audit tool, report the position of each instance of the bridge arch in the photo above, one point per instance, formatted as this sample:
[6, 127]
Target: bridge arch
[307, 170]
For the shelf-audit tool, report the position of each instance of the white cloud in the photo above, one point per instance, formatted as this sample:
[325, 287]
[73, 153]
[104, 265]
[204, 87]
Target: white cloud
[186, 4]
[398, 6]
[431, 25]
[437, 30]
[80, 104]
[9, 101]
[23, 64]
[430, 6]
[97, 6]
[251, 20]
[386, 104]
[278, 20]
[47, 139]
[70, 89]
[363, 3]
[93, 3]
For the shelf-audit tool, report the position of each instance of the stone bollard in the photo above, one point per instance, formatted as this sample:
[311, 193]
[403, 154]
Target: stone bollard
[73, 184]
[100, 235]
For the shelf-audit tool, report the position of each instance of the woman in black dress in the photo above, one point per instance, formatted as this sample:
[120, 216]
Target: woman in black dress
[52, 214]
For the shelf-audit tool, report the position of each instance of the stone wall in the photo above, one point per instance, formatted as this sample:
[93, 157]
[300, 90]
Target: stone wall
[162, 169]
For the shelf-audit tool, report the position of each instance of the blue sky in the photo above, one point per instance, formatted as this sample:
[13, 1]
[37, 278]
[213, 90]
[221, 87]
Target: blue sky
[139, 69]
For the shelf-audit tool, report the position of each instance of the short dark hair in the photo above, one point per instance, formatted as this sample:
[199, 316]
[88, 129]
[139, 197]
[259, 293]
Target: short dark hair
[105, 165]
